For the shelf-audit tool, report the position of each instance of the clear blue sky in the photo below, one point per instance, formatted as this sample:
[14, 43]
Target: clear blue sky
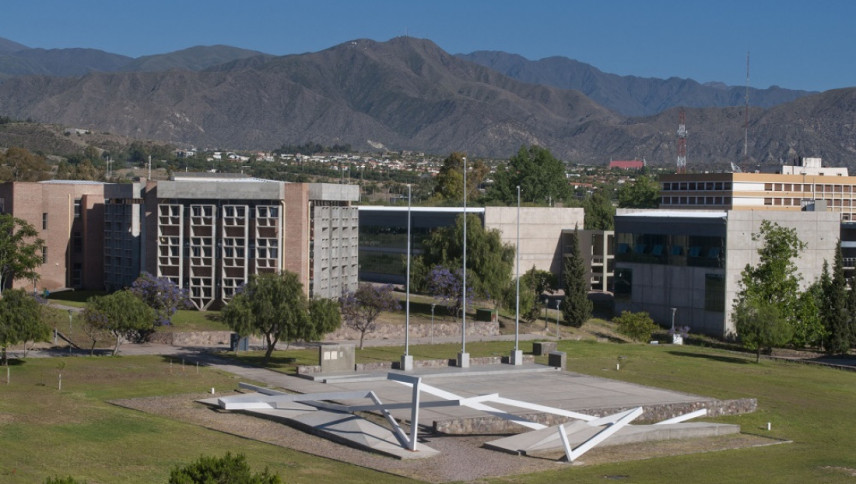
[793, 44]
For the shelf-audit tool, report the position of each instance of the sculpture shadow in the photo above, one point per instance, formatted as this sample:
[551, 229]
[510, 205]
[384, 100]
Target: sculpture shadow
[720, 358]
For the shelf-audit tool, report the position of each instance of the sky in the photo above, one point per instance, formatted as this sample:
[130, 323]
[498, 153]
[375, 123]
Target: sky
[792, 44]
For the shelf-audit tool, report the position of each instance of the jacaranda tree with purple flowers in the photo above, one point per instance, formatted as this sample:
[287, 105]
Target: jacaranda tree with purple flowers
[446, 287]
[361, 308]
[162, 295]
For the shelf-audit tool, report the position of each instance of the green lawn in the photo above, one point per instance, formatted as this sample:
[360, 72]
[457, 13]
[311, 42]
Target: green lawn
[46, 432]
[75, 432]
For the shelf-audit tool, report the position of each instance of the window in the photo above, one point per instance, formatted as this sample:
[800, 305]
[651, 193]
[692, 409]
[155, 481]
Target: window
[714, 293]
[77, 202]
[623, 284]
[44, 221]
[44, 255]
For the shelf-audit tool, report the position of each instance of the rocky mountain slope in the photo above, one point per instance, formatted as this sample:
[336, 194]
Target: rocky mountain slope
[409, 94]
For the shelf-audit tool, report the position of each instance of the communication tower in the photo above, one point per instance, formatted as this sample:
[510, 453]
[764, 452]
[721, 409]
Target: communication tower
[682, 142]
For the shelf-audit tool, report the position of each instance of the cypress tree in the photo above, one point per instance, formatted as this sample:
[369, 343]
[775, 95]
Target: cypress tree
[576, 308]
[835, 313]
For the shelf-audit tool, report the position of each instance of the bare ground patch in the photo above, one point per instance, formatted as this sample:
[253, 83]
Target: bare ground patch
[460, 459]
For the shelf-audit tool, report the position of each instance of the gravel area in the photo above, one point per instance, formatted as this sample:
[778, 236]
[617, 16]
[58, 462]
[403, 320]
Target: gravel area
[460, 459]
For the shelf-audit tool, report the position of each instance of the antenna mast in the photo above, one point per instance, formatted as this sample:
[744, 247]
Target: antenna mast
[682, 142]
[746, 115]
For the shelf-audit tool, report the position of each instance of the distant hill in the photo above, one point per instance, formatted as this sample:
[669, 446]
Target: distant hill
[59, 62]
[7, 46]
[408, 94]
[192, 59]
[628, 95]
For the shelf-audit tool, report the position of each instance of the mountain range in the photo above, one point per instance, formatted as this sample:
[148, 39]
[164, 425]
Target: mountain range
[408, 94]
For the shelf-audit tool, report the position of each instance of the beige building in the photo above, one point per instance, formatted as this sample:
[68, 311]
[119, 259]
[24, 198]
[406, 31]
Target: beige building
[805, 186]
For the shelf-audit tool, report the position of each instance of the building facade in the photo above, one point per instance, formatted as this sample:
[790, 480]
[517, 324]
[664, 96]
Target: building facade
[692, 260]
[207, 233]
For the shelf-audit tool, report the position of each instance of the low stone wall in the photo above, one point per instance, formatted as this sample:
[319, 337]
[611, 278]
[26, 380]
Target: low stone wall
[191, 338]
[421, 330]
[394, 365]
[652, 414]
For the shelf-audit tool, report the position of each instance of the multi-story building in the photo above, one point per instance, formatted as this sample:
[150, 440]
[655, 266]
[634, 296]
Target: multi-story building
[692, 260]
[207, 233]
[383, 235]
[804, 186]
[70, 218]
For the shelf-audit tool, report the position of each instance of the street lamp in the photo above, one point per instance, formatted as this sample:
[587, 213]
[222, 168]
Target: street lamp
[463, 356]
[517, 355]
[558, 302]
[432, 322]
[407, 359]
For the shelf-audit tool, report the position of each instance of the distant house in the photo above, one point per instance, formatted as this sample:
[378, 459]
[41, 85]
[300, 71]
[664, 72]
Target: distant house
[627, 165]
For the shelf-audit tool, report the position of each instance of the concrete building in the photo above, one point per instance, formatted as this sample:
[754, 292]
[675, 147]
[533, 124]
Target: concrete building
[598, 249]
[692, 260]
[211, 232]
[206, 233]
[383, 235]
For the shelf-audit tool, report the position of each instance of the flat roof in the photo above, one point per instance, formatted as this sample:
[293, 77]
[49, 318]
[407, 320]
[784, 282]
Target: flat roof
[383, 208]
[676, 213]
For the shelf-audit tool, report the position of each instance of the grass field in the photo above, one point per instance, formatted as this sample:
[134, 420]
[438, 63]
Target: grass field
[76, 432]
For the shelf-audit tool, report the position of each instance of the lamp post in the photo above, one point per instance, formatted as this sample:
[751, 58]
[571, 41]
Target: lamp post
[407, 358]
[463, 356]
[558, 302]
[517, 354]
[432, 322]
[674, 310]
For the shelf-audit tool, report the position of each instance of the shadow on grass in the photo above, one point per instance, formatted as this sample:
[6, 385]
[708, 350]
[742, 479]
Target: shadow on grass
[720, 358]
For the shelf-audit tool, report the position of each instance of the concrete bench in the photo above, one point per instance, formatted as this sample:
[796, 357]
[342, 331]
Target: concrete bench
[543, 347]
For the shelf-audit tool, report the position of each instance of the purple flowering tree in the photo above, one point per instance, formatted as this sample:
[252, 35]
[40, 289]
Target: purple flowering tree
[360, 309]
[162, 295]
[446, 287]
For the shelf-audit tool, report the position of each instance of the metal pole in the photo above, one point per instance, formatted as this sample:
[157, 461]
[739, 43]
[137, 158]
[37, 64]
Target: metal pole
[517, 302]
[558, 302]
[674, 310]
[464, 302]
[432, 323]
[407, 297]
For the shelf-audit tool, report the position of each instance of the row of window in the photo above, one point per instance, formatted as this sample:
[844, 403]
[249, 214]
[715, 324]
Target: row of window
[664, 200]
[708, 186]
[808, 187]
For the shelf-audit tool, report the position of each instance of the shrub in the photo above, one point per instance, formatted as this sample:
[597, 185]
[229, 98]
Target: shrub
[638, 326]
[229, 468]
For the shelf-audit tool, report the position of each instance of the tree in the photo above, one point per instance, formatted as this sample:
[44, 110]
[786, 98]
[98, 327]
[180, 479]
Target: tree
[448, 185]
[774, 280]
[20, 320]
[489, 261]
[577, 307]
[18, 164]
[644, 192]
[162, 295]
[227, 469]
[834, 310]
[122, 314]
[851, 308]
[324, 317]
[760, 325]
[599, 211]
[808, 327]
[447, 287]
[361, 308]
[271, 305]
[20, 250]
[532, 284]
[638, 326]
[541, 177]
